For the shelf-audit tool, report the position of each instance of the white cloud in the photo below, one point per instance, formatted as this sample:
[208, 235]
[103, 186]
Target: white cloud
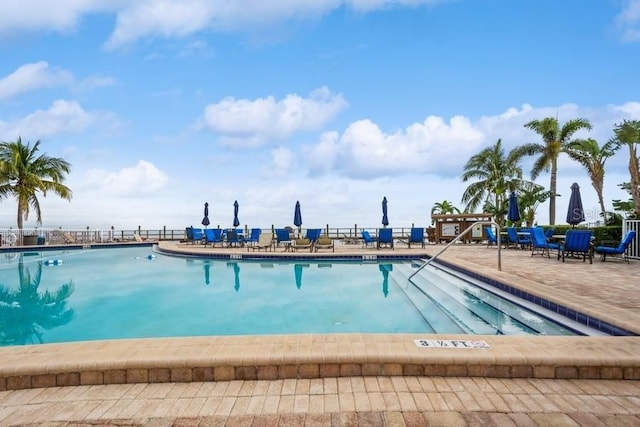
[63, 117]
[282, 160]
[436, 146]
[45, 15]
[364, 150]
[174, 18]
[628, 21]
[33, 76]
[254, 122]
[142, 179]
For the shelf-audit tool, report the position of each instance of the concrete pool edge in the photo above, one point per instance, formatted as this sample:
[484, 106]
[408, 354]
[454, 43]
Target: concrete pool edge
[273, 357]
[309, 356]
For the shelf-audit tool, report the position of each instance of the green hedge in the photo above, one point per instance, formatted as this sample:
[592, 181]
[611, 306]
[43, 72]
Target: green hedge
[611, 233]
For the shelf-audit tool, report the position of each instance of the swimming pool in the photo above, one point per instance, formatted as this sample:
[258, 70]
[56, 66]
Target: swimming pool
[96, 294]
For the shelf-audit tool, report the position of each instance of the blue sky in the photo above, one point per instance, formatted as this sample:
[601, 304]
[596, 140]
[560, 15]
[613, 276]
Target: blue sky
[163, 105]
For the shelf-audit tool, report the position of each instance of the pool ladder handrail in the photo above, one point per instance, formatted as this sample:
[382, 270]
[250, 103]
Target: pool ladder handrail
[458, 237]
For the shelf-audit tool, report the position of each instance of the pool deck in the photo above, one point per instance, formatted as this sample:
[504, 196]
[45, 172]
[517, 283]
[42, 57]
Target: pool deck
[352, 379]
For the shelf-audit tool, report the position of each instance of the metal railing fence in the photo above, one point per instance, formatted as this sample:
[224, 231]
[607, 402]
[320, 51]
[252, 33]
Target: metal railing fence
[55, 236]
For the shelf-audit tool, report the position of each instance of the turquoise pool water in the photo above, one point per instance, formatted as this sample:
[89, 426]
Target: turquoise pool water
[100, 294]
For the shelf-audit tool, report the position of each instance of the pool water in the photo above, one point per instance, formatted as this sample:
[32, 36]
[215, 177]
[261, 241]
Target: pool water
[98, 294]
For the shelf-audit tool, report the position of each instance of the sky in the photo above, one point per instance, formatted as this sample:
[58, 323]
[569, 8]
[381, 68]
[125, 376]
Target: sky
[163, 105]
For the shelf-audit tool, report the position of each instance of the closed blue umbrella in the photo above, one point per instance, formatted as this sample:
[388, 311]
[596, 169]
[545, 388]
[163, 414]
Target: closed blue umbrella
[575, 213]
[236, 275]
[205, 220]
[207, 273]
[385, 218]
[236, 221]
[514, 213]
[297, 270]
[297, 216]
[385, 268]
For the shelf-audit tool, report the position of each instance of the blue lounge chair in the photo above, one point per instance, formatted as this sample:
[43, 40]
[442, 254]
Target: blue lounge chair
[385, 237]
[416, 236]
[313, 234]
[212, 236]
[367, 239]
[518, 239]
[197, 235]
[620, 250]
[577, 243]
[491, 236]
[254, 236]
[283, 235]
[539, 243]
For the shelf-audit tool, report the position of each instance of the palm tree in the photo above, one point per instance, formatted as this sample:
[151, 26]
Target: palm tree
[589, 154]
[555, 139]
[443, 208]
[25, 312]
[495, 175]
[628, 133]
[529, 198]
[22, 175]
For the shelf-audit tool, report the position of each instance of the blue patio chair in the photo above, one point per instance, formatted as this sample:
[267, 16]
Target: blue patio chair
[491, 236]
[197, 235]
[189, 232]
[548, 233]
[416, 236]
[385, 237]
[539, 243]
[367, 239]
[313, 234]
[282, 235]
[253, 237]
[620, 250]
[577, 243]
[518, 240]
[213, 236]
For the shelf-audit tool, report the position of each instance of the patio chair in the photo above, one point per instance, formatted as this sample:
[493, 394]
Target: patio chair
[194, 235]
[324, 242]
[233, 239]
[367, 239]
[302, 243]
[283, 235]
[212, 236]
[491, 236]
[313, 234]
[416, 236]
[253, 236]
[385, 237]
[539, 243]
[577, 243]
[265, 241]
[620, 250]
[518, 239]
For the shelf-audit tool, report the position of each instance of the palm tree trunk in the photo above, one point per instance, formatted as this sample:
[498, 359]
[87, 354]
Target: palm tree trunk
[553, 184]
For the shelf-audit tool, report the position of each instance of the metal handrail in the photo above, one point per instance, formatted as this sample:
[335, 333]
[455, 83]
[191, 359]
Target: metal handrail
[458, 237]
